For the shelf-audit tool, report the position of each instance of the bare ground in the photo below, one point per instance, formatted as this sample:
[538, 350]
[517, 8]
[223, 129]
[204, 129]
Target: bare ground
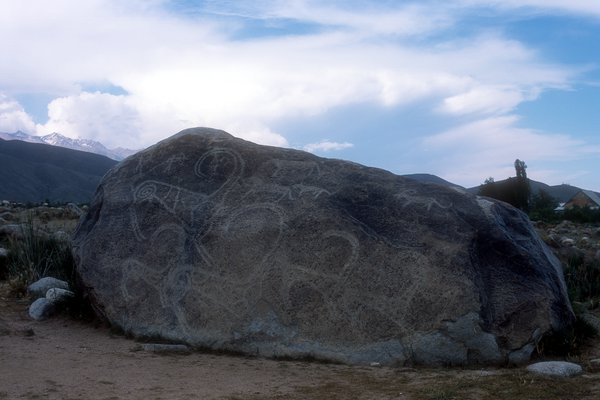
[66, 359]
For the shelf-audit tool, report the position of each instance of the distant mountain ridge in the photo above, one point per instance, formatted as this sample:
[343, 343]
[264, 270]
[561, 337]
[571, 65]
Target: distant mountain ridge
[38, 172]
[56, 139]
[561, 193]
[429, 178]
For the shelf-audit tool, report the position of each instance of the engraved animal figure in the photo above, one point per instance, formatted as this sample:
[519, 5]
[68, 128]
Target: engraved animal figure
[178, 202]
[408, 197]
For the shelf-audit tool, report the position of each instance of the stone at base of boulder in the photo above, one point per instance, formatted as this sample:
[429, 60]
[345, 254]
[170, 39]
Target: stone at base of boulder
[40, 288]
[59, 295]
[460, 342]
[521, 356]
[561, 369]
[438, 349]
[41, 309]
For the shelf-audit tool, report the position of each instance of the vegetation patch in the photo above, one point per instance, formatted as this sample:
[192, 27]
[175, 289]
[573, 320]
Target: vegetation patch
[36, 254]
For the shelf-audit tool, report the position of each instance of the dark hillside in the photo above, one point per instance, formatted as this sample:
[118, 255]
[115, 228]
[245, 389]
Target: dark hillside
[33, 172]
[429, 178]
[561, 193]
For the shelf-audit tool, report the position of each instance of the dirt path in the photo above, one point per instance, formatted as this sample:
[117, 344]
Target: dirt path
[66, 359]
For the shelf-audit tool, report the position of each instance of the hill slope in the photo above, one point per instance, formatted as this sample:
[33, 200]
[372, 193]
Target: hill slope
[561, 193]
[429, 178]
[33, 172]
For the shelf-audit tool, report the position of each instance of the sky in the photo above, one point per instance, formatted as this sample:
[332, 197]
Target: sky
[458, 89]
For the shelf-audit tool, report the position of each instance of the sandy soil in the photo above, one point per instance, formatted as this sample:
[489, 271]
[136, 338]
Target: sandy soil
[65, 359]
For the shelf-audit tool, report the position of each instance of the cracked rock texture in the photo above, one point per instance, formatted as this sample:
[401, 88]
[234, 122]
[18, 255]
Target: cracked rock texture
[216, 242]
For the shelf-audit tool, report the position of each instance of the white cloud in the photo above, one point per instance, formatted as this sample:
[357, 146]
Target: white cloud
[110, 119]
[402, 20]
[482, 99]
[13, 117]
[474, 151]
[120, 120]
[326, 146]
[193, 71]
[583, 7]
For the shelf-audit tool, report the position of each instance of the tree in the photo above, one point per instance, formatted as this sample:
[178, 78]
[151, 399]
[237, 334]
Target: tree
[542, 207]
[489, 188]
[520, 168]
[514, 191]
[521, 187]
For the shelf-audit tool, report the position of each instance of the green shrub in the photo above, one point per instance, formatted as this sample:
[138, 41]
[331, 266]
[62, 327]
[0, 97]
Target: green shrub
[582, 215]
[36, 255]
[583, 280]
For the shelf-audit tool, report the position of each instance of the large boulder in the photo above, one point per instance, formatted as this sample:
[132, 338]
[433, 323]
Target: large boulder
[217, 242]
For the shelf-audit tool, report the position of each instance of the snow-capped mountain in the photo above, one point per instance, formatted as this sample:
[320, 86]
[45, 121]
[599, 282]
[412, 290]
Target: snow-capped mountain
[56, 139]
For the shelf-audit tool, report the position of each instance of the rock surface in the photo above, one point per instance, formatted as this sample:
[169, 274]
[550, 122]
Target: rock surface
[561, 369]
[217, 242]
[40, 287]
[59, 295]
[42, 309]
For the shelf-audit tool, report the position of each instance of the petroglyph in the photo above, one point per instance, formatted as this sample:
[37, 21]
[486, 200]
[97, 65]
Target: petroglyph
[218, 170]
[410, 196]
[174, 162]
[313, 191]
[201, 216]
[176, 201]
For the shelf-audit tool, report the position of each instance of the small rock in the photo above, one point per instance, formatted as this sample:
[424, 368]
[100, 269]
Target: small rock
[41, 309]
[375, 364]
[591, 320]
[14, 231]
[39, 288]
[560, 369]
[4, 252]
[567, 242]
[166, 348]
[595, 362]
[564, 227]
[74, 209]
[553, 240]
[7, 216]
[58, 295]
